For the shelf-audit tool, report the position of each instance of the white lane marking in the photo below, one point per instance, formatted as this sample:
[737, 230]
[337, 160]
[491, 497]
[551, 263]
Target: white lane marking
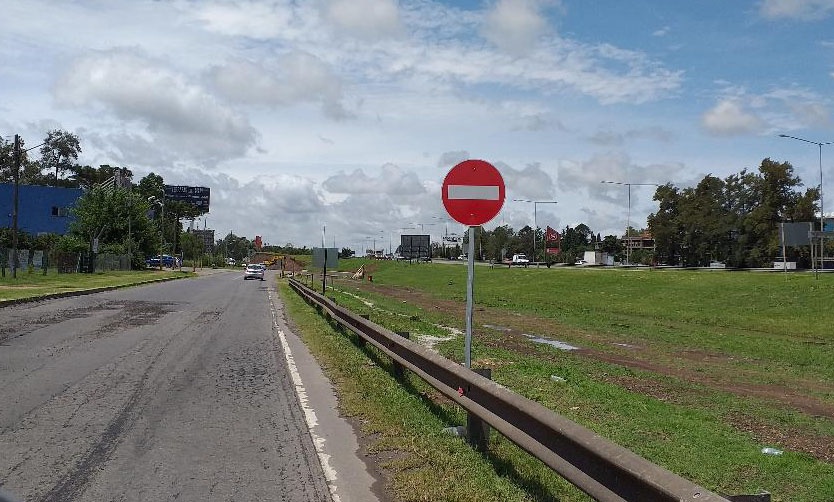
[476, 192]
[309, 414]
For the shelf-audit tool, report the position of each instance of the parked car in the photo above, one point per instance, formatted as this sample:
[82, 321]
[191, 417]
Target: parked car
[254, 271]
[167, 261]
[231, 262]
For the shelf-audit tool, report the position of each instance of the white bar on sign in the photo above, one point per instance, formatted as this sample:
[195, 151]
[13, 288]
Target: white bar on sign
[483, 192]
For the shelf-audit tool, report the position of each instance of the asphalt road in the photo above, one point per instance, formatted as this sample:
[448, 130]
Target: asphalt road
[184, 390]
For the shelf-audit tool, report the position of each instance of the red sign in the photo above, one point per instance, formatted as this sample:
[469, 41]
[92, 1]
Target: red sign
[473, 192]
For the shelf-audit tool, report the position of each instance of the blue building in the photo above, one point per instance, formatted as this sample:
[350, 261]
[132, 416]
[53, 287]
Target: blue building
[41, 209]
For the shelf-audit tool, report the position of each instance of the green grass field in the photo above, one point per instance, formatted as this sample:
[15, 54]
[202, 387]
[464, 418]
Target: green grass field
[35, 284]
[696, 371]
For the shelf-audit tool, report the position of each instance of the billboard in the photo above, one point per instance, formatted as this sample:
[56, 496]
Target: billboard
[415, 247]
[795, 234]
[325, 257]
[196, 196]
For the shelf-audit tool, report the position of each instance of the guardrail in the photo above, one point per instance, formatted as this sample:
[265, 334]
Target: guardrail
[595, 465]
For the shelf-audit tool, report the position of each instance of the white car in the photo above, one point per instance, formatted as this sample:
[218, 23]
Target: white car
[254, 271]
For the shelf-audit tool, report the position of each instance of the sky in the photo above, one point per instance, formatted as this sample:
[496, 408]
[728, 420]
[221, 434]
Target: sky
[337, 120]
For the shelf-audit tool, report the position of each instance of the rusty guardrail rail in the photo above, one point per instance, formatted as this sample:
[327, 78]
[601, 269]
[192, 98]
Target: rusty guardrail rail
[595, 465]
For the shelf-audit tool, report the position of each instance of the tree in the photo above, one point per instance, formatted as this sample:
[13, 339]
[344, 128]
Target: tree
[151, 185]
[6, 161]
[59, 151]
[87, 177]
[735, 219]
[118, 219]
[192, 247]
[30, 172]
[612, 245]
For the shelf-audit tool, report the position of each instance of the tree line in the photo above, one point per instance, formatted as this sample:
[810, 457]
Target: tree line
[734, 220]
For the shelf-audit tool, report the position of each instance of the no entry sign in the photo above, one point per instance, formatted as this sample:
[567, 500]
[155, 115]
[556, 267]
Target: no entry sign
[473, 192]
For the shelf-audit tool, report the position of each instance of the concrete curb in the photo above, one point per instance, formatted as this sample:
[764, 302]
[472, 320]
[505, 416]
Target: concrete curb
[81, 292]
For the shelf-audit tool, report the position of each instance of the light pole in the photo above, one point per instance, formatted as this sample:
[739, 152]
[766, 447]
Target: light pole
[17, 160]
[628, 214]
[535, 220]
[445, 234]
[820, 144]
[161, 203]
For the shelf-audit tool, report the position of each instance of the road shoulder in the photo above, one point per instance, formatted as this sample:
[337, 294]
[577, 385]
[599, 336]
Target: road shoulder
[345, 463]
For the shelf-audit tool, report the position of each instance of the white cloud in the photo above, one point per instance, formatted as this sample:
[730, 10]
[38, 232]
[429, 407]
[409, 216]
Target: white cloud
[530, 182]
[451, 159]
[617, 167]
[293, 78]
[607, 137]
[392, 180]
[730, 118]
[662, 32]
[174, 112]
[260, 20]
[804, 10]
[514, 26]
[364, 19]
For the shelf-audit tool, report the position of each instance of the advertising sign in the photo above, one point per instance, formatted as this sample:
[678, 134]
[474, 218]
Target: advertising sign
[196, 196]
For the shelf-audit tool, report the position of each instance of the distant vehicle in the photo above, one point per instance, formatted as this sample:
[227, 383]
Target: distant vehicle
[167, 261]
[231, 262]
[520, 259]
[581, 262]
[254, 271]
[462, 257]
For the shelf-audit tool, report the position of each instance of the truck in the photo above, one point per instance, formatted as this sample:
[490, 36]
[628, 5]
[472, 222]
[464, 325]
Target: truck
[520, 259]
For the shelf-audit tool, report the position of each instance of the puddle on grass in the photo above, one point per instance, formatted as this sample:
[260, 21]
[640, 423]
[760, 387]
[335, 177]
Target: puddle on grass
[553, 343]
[497, 328]
[429, 341]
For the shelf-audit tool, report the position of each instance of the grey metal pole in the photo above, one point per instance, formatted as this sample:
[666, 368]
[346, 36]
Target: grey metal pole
[628, 224]
[17, 161]
[470, 282]
[822, 218]
[819, 144]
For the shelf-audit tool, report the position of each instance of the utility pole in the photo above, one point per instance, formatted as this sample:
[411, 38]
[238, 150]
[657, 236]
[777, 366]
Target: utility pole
[17, 161]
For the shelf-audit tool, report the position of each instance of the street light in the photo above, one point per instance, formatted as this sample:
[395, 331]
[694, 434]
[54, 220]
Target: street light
[628, 214]
[161, 203]
[535, 221]
[820, 144]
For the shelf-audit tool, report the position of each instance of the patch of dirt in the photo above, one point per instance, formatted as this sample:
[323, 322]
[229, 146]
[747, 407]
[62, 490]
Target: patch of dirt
[716, 371]
[819, 447]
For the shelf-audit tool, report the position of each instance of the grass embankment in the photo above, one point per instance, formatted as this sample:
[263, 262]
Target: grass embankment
[696, 371]
[29, 285]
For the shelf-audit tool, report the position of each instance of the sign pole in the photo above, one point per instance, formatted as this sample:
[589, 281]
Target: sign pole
[473, 193]
[470, 283]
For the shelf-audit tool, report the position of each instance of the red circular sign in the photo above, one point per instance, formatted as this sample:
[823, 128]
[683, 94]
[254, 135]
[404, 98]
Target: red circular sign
[473, 192]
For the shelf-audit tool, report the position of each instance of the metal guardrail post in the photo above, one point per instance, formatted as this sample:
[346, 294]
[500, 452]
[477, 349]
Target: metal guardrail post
[399, 372]
[477, 430]
[360, 342]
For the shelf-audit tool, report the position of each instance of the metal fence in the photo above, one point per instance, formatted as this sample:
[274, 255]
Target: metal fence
[595, 465]
[63, 262]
